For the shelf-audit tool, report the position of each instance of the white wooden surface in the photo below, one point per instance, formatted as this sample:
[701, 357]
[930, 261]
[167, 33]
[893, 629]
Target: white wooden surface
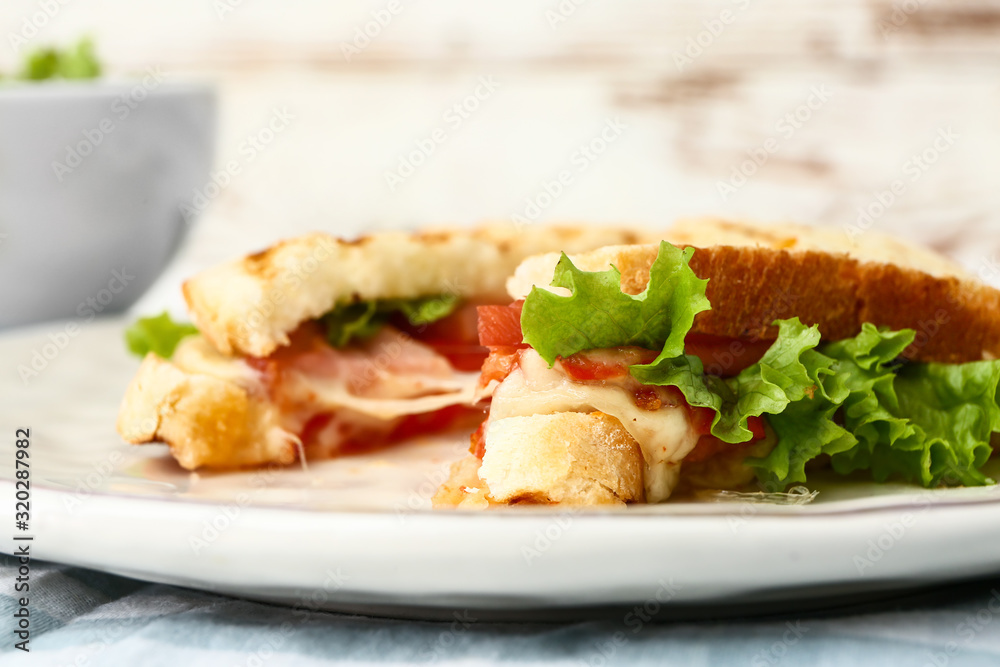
[894, 83]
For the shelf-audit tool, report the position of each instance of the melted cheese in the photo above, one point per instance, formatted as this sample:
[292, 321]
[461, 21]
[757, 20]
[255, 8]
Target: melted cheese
[665, 435]
[323, 393]
[194, 354]
[332, 392]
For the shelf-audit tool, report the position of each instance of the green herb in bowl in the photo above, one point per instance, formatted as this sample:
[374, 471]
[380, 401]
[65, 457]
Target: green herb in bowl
[75, 62]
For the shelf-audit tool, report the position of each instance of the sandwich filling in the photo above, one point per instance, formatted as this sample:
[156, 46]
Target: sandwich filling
[666, 427]
[770, 410]
[364, 376]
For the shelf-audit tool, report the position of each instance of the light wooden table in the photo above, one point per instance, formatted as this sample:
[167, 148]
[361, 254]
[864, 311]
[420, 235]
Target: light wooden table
[826, 105]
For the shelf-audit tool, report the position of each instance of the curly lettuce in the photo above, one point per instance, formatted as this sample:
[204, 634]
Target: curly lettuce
[767, 387]
[598, 314]
[923, 423]
[852, 401]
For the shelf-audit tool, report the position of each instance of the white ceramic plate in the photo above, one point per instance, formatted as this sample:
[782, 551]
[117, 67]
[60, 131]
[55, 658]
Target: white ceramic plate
[359, 533]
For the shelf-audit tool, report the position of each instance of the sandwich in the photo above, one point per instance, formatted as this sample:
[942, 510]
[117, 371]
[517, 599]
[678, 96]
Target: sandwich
[732, 357]
[319, 346]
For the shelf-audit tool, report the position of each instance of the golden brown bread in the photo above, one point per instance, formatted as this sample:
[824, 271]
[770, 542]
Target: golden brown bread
[957, 318]
[868, 246]
[209, 420]
[252, 304]
[570, 458]
[567, 457]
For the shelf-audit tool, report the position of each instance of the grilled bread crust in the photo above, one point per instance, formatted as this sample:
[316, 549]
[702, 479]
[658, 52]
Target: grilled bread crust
[251, 305]
[569, 458]
[956, 316]
[209, 420]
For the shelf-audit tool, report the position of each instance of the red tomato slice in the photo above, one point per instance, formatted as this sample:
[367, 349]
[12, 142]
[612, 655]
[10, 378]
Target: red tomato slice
[580, 367]
[499, 364]
[364, 439]
[449, 418]
[316, 424]
[455, 337]
[458, 327]
[701, 419]
[709, 446]
[604, 364]
[500, 325]
[461, 356]
[477, 442]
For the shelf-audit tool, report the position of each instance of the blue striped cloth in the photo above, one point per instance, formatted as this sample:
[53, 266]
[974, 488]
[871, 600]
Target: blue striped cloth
[82, 618]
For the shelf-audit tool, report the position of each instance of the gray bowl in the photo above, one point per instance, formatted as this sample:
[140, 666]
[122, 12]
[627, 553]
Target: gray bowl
[97, 181]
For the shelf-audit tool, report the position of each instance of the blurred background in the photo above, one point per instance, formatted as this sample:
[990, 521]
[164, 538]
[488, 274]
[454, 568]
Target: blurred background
[346, 117]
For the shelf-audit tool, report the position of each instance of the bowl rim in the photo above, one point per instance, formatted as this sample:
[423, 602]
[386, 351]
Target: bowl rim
[102, 88]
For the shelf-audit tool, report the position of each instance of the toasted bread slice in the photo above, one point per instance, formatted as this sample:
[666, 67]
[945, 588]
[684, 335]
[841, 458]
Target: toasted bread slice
[209, 419]
[251, 305]
[464, 489]
[957, 317]
[570, 458]
[867, 246]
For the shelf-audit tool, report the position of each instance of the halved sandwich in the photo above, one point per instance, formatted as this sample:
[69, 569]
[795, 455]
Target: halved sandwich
[736, 357]
[320, 346]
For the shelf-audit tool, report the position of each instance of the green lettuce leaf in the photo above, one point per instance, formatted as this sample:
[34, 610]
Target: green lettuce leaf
[954, 411]
[767, 387]
[927, 424]
[597, 314]
[804, 431]
[864, 370]
[364, 319]
[159, 334]
[355, 321]
[424, 311]
[846, 413]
